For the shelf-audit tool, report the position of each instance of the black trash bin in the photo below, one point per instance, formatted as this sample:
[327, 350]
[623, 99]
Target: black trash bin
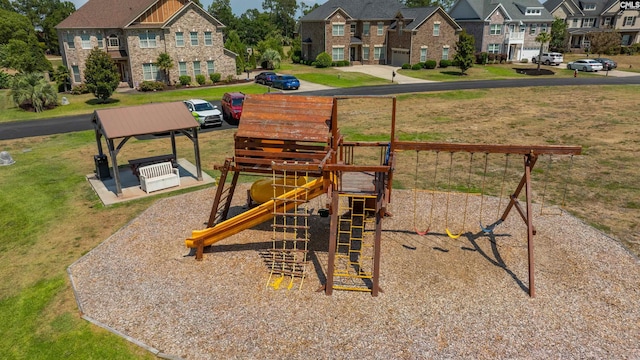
[102, 167]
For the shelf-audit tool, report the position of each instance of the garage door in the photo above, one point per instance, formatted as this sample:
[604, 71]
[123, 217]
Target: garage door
[399, 57]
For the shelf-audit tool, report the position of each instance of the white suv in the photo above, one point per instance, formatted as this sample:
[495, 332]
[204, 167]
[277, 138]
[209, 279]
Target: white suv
[205, 113]
[549, 58]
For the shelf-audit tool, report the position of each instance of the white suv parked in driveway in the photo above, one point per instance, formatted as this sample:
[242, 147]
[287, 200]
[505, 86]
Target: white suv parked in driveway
[205, 113]
[549, 58]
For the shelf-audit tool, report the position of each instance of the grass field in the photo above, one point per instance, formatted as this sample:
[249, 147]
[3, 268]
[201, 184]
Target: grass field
[50, 216]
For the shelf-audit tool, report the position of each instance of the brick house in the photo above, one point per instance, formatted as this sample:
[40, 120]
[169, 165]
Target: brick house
[135, 32]
[504, 27]
[589, 16]
[378, 32]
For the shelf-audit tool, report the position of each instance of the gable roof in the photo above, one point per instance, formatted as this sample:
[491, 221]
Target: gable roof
[356, 9]
[515, 10]
[421, 14]
[97, 14]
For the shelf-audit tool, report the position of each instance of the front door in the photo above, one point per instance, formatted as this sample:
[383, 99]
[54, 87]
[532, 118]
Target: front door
[352, 54]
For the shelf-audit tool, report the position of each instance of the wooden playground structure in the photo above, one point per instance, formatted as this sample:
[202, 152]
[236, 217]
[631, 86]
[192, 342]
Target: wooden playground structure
[296, 140]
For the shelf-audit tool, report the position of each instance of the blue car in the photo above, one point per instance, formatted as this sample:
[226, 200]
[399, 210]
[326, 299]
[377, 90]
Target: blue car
[286, 82]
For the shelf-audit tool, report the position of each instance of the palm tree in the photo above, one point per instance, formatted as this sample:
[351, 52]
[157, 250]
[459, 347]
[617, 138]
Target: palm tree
[165, 63]
[32, 91]
[542, 38]
[271, 59]
[62, 77]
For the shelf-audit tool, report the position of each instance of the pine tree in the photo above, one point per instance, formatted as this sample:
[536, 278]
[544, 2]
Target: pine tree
[101, 74]
[465, 48]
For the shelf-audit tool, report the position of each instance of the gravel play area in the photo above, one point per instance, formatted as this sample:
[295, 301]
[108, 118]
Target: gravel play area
[442, 298]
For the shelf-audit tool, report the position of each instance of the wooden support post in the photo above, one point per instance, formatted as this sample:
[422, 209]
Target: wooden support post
[528, 165]
[333, 241]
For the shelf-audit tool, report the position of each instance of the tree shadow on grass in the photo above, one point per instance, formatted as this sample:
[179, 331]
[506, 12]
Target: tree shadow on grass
[453, 73]
[101, 102]
[534, 71]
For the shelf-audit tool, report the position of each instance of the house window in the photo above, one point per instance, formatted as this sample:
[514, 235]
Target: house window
[445, 53]
[86, 41]
[493, 48]
[337, 53]
[574, 23]
[533, 12]
[179, 39]
[523, 28]
[208, 40]
[543, 28]
[196, 68]
[380, 28]
[337, 30]
[70, 43]
[366, 28]
[194, 38]
[588, 22]
[423, 54]
[436, 29]
[113, 41]
[532, 29]
[626, 40]
[353, 28]
[606, 21]
[378, 52]
[100, 40]
[495, 29]
[182, 68]
[150, 72]
[211, 67]
[589, 6]
[365, 53]
[76, 74]
[147, 40]
[629, 21]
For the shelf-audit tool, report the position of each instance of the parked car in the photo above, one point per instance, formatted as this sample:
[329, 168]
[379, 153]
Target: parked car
[205, 113]
[585, 65]
[232, 106]
[549, 58]
[265, 77]
[286, 82]
[607, 64]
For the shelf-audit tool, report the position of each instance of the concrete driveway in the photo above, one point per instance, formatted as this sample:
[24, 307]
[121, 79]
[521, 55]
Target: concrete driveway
[384, 72]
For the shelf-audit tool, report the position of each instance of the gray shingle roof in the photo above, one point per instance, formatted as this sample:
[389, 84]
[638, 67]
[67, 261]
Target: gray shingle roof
[514, 8]
[357, 9]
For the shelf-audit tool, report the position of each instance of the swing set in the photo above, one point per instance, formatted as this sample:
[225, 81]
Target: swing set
[530, 155]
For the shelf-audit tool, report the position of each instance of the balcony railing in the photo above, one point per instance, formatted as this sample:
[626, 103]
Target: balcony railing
[514, 37]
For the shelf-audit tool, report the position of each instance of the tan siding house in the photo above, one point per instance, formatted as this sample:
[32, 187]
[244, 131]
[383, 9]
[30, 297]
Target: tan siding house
[135, 32]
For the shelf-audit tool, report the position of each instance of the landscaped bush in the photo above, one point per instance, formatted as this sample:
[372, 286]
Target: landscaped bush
[152, 86]
[80, 89]
[323, 60]
[200, 79]
[445, 63]
[430, 64]
[417, 66]
[5, 80]
[406, 66]
[215, 77]
[184, 80]
[229, 79]
[344, 63]
[524, 60]
[482, 58]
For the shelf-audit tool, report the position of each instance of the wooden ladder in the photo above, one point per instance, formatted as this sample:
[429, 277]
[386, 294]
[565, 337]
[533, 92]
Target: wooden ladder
[224, 194]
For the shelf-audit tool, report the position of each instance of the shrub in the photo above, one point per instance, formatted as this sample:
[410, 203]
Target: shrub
[430, 64]
[80, 89]
[5, 80]
[482, 58]
[445, 63]
[184, 80]
[200, 79]
[406, 66]
[295, 59]
[524, 60]
[229, 79]
[323, 60]
[417, 66]
[344, 63]
[215, 77]
[151, 86]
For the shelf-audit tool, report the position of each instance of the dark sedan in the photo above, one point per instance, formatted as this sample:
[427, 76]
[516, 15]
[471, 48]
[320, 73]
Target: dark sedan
[265, 77]
[286, 82]
[607, 64]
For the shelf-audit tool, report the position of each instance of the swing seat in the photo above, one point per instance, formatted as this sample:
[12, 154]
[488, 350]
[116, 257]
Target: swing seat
[421, 233]
[451, 235]
[489, 228]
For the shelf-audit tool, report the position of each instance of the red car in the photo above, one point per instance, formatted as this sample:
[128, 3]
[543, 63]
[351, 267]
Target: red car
[232, 106]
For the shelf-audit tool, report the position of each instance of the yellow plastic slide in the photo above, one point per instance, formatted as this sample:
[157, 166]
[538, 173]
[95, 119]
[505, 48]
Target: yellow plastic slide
[255, 216]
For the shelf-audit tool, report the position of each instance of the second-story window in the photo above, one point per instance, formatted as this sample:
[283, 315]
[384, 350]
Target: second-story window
[194, 38]
[366, 28]
[113, 41]
[588, 22]
[436, 29]
[543, 28]
[147, 40]
[208, 40]
[100, 40]
[86, 41]
[70, 43]
[532, 29]
[380, 28]
[353, 28]
[179, 39]
[496, 29]
[629, 21]
[337, 30]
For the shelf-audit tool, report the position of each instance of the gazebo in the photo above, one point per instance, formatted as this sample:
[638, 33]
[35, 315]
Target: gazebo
[120, 124]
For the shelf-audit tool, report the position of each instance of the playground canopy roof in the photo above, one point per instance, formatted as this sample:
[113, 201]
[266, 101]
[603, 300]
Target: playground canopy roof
[144, 119]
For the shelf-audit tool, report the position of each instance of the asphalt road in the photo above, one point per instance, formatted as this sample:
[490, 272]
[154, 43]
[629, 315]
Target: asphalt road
[22, 129]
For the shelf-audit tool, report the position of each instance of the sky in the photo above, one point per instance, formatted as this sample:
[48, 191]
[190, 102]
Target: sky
[237, 6]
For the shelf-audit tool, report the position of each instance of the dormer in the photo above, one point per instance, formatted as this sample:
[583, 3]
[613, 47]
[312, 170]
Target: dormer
[533, 11]
[587, 5]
